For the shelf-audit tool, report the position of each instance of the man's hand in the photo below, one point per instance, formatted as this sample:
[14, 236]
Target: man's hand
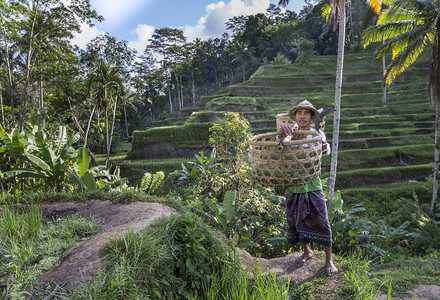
[288, 130]
[324, 148]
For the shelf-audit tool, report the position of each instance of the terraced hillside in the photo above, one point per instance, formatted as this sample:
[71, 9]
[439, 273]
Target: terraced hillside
[385, 150]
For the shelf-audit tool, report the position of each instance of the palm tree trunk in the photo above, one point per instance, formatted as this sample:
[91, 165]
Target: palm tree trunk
[193, 89]
[181, 90]
[41, 102]
[1, 104]
[88, 126]
[169, 98]
[435, 98]
[436, 158]
[112, 129]
[244, 72]
[384, 66]
[125, 121]
[107, 156]
[338, 94]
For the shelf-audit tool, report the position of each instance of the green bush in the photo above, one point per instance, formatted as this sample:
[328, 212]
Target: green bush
[172, 259]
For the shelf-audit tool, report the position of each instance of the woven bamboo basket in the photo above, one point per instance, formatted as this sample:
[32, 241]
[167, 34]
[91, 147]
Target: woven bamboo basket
[284, 119]
[296, 163]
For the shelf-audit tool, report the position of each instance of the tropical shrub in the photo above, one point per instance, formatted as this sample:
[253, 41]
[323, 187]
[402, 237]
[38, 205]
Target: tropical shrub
[150, 183]
[172, 259]
[36, 161]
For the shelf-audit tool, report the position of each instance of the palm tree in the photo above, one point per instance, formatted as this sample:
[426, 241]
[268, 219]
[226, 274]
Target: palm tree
[409, 27]
[106, 84]
[338, 9]
[241, 50]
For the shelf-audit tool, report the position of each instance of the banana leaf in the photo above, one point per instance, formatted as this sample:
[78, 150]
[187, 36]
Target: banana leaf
[38, 162]
[25, 173]
[229, 204]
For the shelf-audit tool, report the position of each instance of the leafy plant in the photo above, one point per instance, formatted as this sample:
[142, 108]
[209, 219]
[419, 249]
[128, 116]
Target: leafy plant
[226, 215]
[40, 157]
[150, 183]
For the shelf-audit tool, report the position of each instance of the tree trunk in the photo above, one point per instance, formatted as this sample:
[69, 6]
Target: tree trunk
[111, 132]
[434, 91]
[193, 89]
[41, 100]
[1, 104]
[28, 71]
[107, 156]
[338, 93]
[181, 90]
[8, 66]
[125, 121]
[384, 66]
[244, 72]
[88, 126]
[179, 106]
[169, 98]
[436, 158]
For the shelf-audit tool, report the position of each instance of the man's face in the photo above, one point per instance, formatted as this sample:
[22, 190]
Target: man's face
[303, 118]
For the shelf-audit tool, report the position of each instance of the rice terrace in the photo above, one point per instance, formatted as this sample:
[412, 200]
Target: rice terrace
[275, 150]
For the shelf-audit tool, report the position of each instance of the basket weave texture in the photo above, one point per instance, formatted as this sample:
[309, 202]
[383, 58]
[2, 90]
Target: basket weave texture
[297, 164]
[284, 119]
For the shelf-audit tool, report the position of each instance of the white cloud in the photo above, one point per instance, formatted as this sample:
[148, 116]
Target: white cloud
[217, 14]
[143, 33]
[87, 34]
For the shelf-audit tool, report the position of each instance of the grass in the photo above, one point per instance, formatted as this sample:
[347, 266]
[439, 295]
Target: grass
[31, 244]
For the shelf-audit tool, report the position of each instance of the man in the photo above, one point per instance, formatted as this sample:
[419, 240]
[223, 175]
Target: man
[306, 211]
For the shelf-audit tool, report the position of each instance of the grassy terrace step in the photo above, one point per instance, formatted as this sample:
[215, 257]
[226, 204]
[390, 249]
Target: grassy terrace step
[385, 196]
[421, 117]
[367, 143]
[368, 134]
[373, 127]
[135, 169]
[370, 176]
[387, 110]
[382, 157]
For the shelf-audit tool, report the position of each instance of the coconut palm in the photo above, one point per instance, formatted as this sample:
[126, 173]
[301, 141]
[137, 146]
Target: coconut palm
[409, 27]
[337, 9]
[106, 84]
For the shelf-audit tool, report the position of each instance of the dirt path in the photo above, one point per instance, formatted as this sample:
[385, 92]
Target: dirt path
[81, 264]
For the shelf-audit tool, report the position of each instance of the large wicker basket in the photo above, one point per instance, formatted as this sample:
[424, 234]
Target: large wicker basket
[295, 163]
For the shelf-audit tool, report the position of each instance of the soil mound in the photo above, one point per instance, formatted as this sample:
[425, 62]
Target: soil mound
[117, 219]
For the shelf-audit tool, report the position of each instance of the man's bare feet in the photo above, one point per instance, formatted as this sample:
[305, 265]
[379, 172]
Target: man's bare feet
[330, 269]
[299, 261]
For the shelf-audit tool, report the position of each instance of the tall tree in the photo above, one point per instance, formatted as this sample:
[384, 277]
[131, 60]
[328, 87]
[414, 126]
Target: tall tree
[106, 84]
[241, 51]
[166, 42]
[338, 10]
[44, 24]
[409, 27]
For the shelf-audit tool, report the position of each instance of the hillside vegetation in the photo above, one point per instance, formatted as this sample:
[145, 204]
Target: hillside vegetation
[386, 150]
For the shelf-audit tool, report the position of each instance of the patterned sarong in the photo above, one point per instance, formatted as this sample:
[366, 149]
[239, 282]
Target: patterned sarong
[307, 219]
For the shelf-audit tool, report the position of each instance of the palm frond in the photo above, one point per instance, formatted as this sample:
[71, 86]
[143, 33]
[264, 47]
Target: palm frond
[387, 31]
[399, 15]
[405, 59]
[414, 5]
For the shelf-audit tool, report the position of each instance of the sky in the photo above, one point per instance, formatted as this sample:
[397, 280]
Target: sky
[135, 20]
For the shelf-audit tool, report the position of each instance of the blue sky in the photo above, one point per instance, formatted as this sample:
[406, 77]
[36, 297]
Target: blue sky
[136, 20]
